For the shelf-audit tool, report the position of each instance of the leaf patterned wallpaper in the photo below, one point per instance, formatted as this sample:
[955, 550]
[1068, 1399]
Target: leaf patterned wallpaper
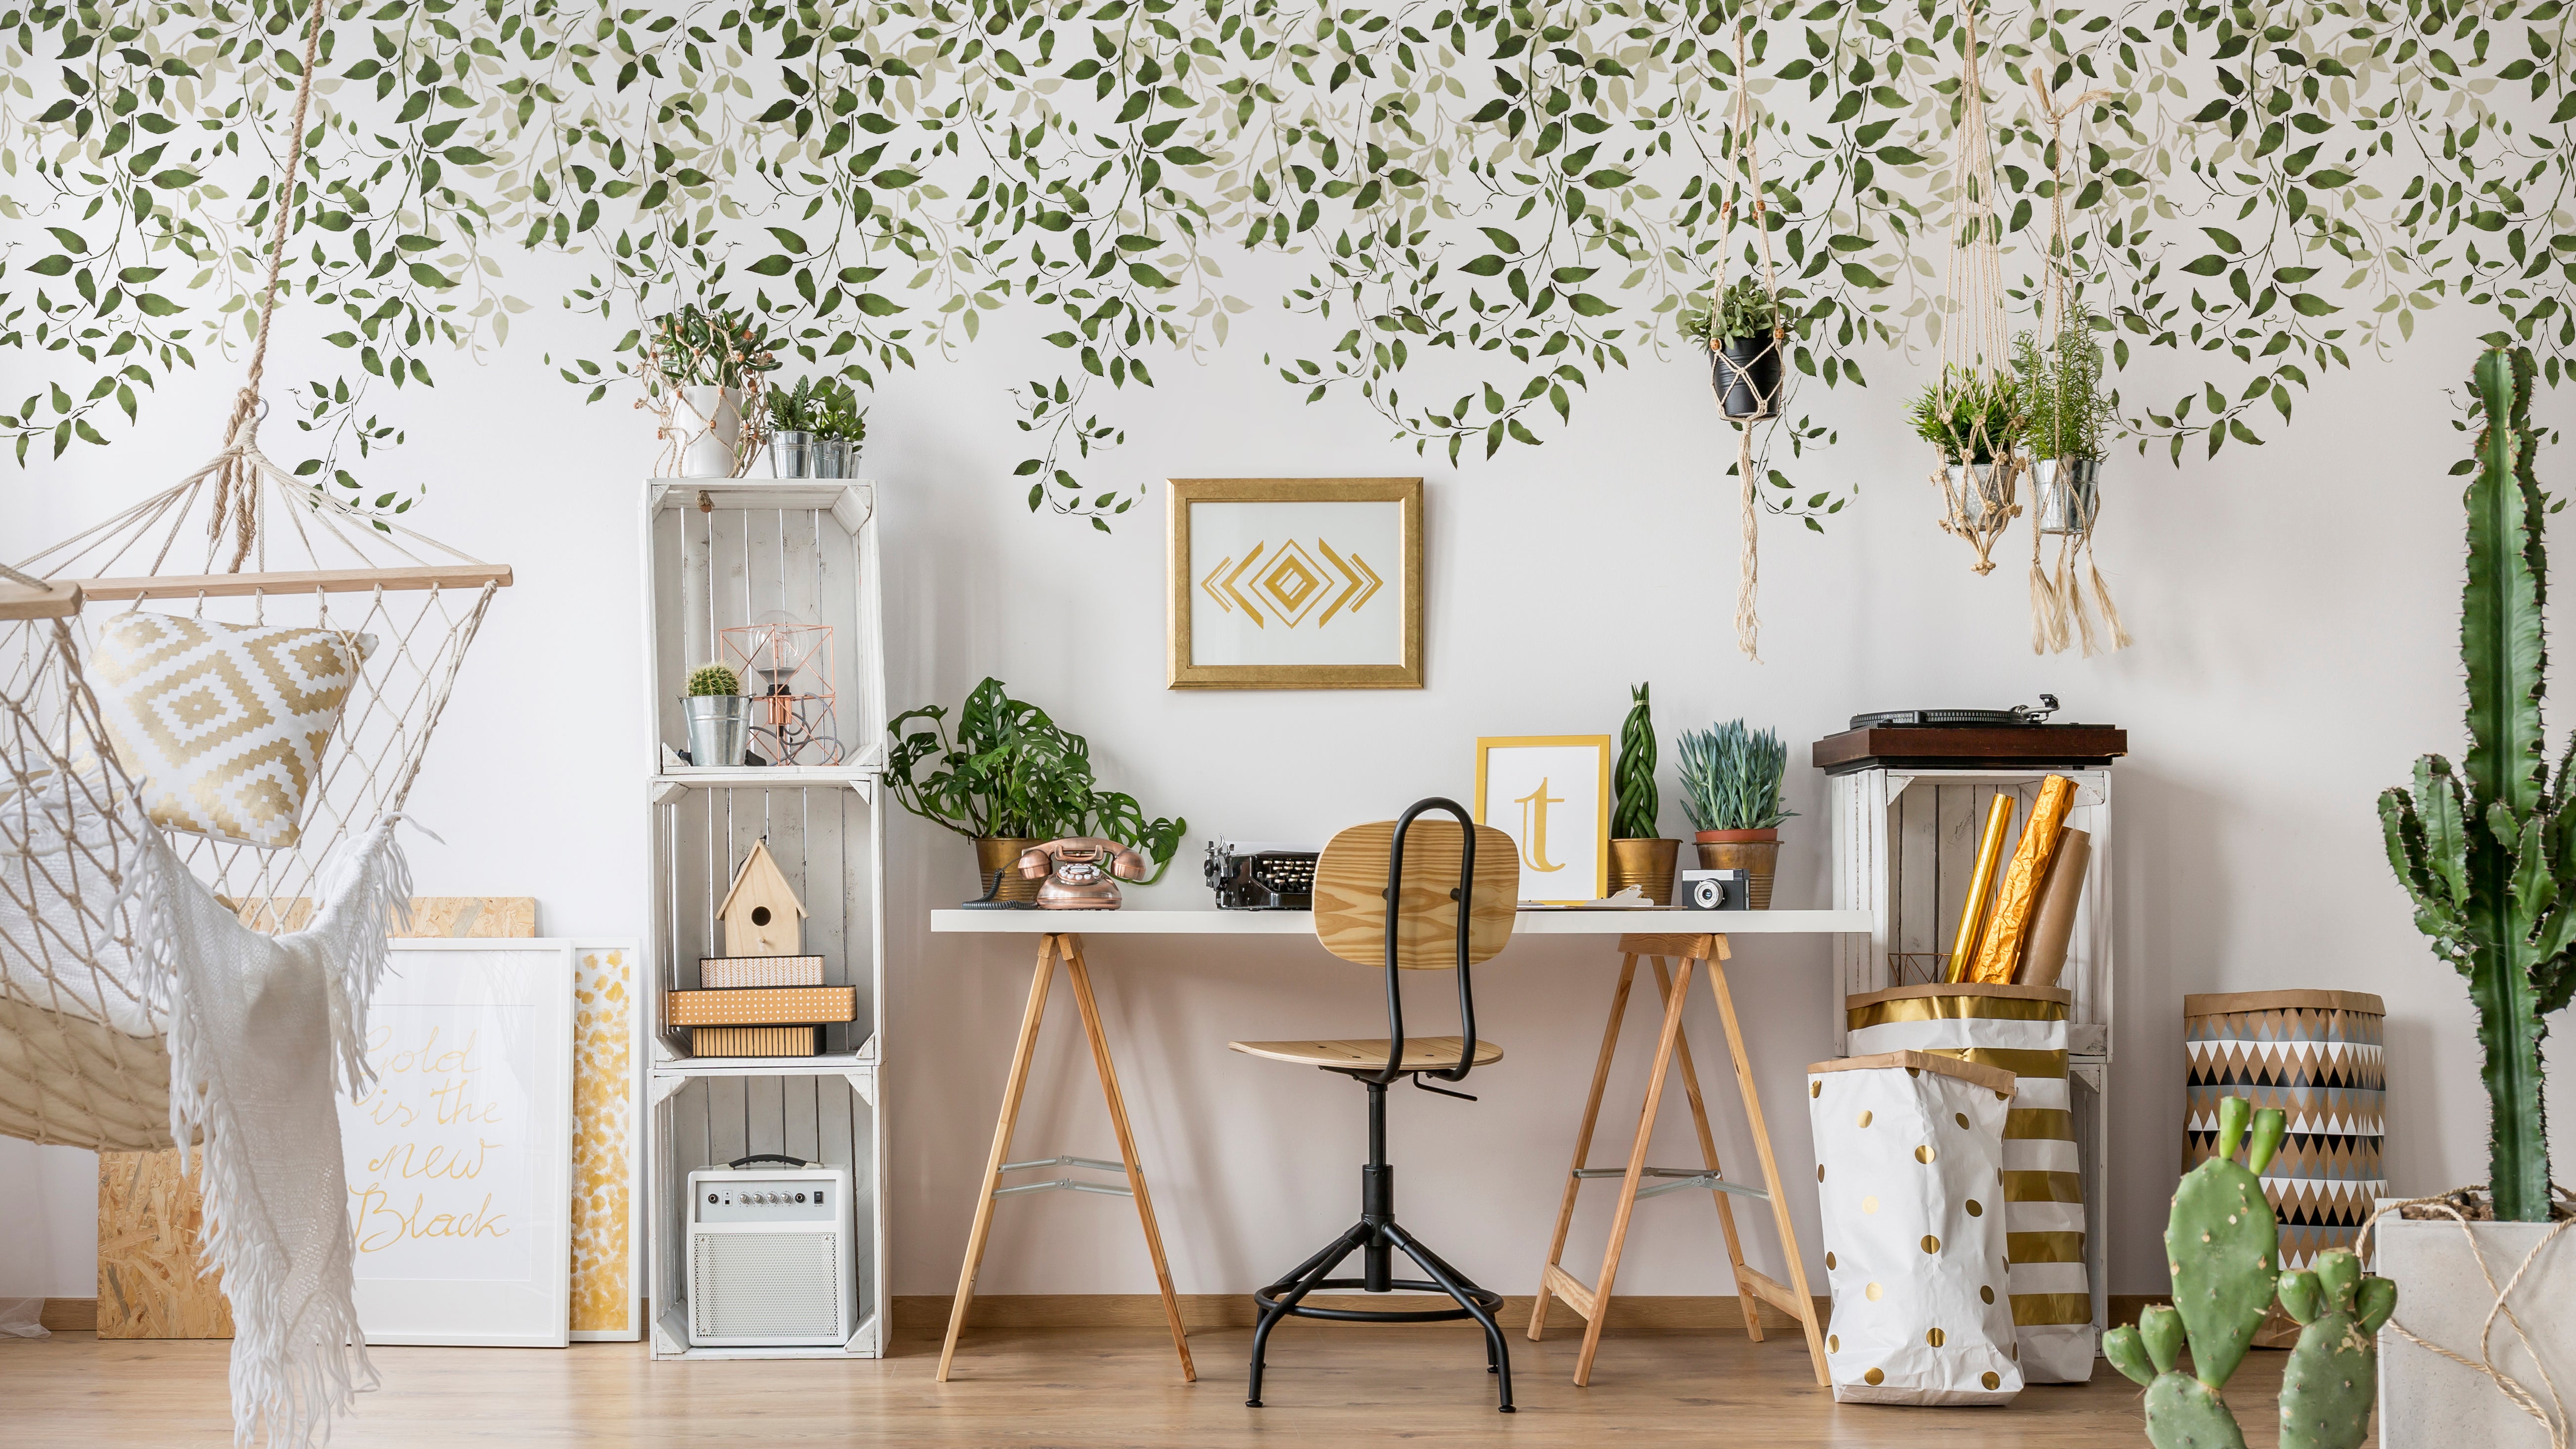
[1496, 208]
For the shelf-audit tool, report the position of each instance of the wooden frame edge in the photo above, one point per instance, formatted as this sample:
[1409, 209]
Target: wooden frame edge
[1180, 673]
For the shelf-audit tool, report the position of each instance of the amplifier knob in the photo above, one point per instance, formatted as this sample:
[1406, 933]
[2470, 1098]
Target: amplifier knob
[711, 1197]
[800, 1197]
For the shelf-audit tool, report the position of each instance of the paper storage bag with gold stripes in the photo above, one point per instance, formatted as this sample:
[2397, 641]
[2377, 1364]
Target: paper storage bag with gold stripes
[1909, 1153]
[2316, 1056]
[2021, 1029]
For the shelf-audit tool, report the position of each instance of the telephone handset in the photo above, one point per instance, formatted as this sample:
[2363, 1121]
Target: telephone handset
[1081, 873]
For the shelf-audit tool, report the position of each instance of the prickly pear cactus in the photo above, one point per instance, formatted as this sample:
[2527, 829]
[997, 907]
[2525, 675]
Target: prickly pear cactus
[2182, 1412]
[2333, 1375]
[2221, 1243]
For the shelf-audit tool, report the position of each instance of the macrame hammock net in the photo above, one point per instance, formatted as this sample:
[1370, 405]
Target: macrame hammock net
[161, 989]
[1747, 374]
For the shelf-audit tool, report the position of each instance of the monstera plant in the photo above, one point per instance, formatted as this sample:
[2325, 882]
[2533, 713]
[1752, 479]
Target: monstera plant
[2489, 852]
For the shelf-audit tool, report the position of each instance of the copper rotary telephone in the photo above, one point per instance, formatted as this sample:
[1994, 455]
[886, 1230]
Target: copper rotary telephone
[1079, 872]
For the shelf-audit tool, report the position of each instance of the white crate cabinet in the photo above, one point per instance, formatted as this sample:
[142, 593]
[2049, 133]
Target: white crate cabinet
[720, 553]
[1905, 846]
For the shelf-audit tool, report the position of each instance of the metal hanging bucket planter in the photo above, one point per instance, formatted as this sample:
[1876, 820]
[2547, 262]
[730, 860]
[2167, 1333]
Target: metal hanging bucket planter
[719, 728]
[1981, 494]
[2066, 494]
[1745, 374]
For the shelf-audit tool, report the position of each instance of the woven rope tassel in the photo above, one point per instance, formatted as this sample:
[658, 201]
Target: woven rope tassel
[1748, 626]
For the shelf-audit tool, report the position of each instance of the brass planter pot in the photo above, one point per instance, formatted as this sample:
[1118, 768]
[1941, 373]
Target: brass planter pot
[1756, 852]
[1647, 865]
[1002, 853]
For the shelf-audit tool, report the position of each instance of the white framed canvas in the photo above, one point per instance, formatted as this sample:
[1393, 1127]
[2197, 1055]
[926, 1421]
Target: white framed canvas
[608, 1261]
[1551, 795]
[1295, 583]
[459, 1156]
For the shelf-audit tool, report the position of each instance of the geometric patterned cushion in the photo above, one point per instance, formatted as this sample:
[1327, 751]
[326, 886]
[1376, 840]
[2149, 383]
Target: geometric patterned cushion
[225, 724]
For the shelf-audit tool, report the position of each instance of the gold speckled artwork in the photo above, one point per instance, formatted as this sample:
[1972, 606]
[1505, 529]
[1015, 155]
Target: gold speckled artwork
[607, 1239]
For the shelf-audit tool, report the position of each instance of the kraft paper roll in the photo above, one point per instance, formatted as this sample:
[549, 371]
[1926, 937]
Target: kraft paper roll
[2053, 924]
[1972, 911]
[2000, 948]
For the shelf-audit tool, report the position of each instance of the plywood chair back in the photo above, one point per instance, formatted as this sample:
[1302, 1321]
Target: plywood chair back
[1350, 894]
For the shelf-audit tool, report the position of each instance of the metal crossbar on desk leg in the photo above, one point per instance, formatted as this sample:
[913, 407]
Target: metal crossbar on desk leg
[1672, 1047]
[1068, 947]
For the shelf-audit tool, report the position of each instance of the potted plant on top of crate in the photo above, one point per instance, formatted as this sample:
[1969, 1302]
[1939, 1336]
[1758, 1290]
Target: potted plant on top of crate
[1731, 779]
[1638, 857]
[815, 429]
[2488, 855]
[703, 368]
[1007, 776]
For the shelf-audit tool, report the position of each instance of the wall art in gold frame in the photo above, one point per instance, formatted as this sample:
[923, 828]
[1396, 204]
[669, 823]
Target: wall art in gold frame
[1551, 795]
[1296, 583]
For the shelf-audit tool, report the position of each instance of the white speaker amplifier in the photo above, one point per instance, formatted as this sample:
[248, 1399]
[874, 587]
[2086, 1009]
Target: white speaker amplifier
[772, 1260]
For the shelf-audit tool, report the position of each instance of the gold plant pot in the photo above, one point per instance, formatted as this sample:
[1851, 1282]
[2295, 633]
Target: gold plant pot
[1647, 865]
[1756, 852]
[1002, 853]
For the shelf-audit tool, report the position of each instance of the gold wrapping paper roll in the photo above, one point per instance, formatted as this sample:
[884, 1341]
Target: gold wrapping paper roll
[1999, 949]
[2053, 924]
[1972, 911]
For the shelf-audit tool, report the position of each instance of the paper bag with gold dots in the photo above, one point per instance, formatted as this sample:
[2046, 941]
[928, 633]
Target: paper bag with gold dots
[1910, 1152]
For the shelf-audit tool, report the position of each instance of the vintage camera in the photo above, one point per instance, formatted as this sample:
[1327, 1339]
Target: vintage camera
[1717, 890]
[1251, 877]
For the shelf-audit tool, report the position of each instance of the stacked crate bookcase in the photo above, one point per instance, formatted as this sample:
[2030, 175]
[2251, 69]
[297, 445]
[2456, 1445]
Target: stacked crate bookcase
[1905, 845]
[720, 553]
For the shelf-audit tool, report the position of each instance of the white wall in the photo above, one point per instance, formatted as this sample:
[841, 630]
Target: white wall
[2295, 608]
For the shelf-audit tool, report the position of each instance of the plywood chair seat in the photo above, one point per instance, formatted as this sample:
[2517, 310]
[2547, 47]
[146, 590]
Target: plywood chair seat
[1421, 1053]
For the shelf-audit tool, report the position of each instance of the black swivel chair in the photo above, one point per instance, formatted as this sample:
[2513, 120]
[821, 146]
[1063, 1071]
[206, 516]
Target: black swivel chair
[1384, 893]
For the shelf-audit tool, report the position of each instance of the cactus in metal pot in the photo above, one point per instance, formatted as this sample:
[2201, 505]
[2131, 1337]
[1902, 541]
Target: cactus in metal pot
[2333, 1375]
[2221, 1243]
[2182, 1412]
[2489, 854]
[713, 679]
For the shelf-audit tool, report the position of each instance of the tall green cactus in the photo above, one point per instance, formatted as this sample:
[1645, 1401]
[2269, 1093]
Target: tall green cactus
[2489, 854]
[1638, 804]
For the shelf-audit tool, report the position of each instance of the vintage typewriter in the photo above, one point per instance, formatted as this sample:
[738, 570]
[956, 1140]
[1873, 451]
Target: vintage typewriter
[1260, 877]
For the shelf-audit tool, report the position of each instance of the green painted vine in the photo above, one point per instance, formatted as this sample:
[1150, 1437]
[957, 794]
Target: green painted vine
[1497, 207]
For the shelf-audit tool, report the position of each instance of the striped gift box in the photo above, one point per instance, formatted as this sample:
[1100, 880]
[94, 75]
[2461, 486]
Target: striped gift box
[755, 1041]
[2021, 1029]
[2316, 1056]
[764, 1006]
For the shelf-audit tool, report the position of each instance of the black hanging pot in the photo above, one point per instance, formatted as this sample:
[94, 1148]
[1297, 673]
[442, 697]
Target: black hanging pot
[1745, 374]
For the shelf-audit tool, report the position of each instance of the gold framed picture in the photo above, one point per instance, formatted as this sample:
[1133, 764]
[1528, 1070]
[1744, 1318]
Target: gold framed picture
[1551, 795]
[1296, 583]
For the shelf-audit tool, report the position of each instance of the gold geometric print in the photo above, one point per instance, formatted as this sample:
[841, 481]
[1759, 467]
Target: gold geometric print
[224, 724]
[1292, 583]
[604, 1257]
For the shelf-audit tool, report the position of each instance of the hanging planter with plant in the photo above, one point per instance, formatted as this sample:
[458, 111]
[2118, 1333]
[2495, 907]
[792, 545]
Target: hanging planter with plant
[1731, 779]
[703, 370]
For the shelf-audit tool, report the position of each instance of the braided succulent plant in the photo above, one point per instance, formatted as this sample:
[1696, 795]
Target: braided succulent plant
[1638, 804]
[2222, 1244]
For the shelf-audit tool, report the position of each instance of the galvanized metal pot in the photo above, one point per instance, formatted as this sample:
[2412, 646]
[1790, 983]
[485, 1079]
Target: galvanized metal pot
[2066, 493]
[719, 728]
[790, 453]
[1984, 490]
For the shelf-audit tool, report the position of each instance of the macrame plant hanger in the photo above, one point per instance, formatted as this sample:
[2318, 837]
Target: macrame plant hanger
[417, 607]
[1975, 379]
[1769, 397]
[2057, 598]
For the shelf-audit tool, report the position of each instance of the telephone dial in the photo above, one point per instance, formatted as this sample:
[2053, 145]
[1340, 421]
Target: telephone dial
[1081, 874]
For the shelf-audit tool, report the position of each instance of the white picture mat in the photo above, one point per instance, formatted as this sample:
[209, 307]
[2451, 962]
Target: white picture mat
[459, 1160]
[1571, 777]
[1366, 534]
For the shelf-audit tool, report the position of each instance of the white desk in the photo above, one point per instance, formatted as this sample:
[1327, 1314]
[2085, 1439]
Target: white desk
[1689, 938]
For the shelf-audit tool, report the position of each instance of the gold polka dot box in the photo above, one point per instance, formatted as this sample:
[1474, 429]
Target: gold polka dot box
[2316, 1056]
[2021, 1029]
[1910, 1184]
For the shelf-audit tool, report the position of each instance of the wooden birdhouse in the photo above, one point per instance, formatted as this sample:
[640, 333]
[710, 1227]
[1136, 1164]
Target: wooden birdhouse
[761, 913]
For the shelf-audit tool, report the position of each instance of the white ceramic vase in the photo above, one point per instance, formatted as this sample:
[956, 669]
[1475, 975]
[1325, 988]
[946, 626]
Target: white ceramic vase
[2428, 1402]
[709, 422]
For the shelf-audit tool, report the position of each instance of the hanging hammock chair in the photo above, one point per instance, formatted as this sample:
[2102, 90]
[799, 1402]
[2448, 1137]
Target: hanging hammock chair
[169, 980]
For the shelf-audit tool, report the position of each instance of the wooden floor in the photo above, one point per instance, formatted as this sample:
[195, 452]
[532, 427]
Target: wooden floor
[1030, 1389]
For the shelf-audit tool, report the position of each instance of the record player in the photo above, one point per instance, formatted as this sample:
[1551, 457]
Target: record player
[2020, 738]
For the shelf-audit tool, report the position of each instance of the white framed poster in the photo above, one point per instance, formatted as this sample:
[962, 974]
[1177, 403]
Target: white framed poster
[1551, 795]
[608, 1260]
[459, 1157]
